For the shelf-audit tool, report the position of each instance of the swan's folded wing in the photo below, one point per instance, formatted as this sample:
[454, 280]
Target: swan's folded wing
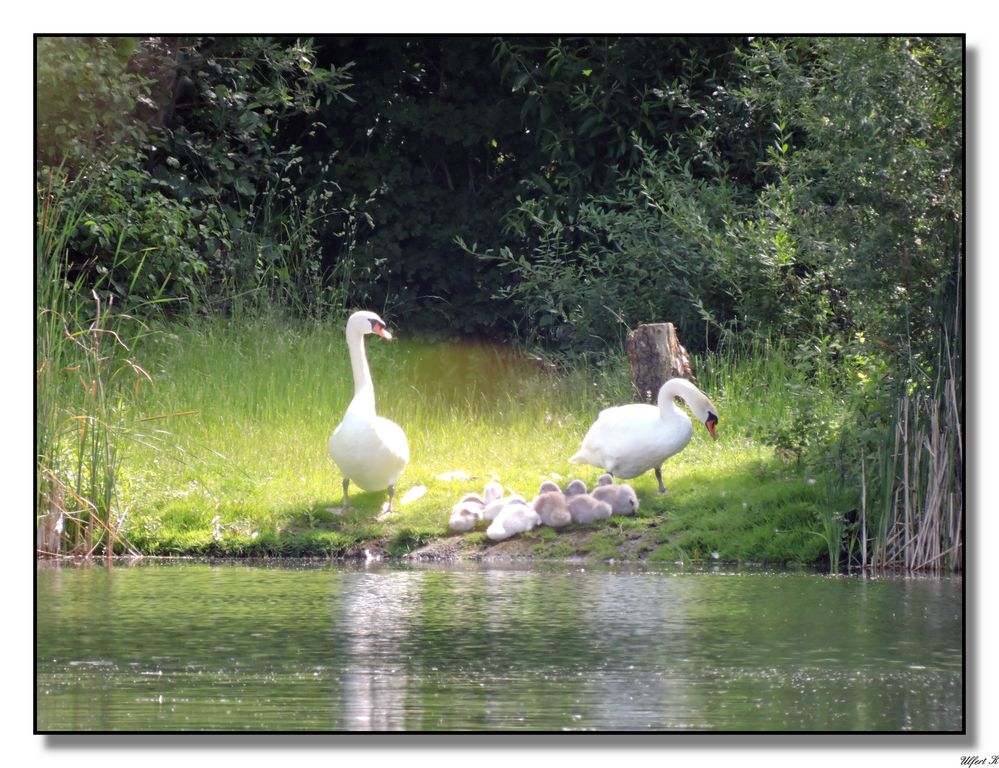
[393, 439]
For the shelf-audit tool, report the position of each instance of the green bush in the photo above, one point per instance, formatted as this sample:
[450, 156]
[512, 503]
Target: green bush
[196, 196]
[88, 98]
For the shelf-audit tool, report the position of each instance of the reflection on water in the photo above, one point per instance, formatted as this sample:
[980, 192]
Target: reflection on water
[333, 648]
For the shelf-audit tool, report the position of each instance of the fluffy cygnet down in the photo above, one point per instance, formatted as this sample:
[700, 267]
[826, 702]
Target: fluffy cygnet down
[586, 509]
[494, 507]
[492, 491]
[552, 508]
[575, 487]
[622, 498]
[605, 479]
[464, 516]
[514, 518]
[548, 485]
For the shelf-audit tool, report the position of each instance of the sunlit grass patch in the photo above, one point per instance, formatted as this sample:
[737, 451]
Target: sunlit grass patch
[245, 471]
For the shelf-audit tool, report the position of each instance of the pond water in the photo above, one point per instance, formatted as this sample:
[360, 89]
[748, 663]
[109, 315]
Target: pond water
[233, 647]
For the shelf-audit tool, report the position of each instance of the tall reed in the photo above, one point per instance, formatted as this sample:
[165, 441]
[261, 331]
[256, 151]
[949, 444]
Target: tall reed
[85, 377]
[912, 500]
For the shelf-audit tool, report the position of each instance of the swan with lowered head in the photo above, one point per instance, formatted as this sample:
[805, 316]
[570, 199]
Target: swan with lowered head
[628, 440]
[369, 449]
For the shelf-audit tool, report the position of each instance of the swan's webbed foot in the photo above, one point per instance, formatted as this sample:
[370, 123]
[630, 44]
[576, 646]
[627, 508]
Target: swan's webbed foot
[659, 477]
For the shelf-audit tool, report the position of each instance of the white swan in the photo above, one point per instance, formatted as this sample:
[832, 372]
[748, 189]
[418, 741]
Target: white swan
[369, 449]
[628, 440]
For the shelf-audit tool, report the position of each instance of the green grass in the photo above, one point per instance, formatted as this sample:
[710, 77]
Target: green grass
[229, 454]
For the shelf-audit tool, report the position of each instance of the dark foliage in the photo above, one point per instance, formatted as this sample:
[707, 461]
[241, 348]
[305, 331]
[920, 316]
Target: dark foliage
[553, 189]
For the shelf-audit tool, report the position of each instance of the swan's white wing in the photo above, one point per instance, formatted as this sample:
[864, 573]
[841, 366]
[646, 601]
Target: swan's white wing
[393, 438]
[609, 434]
[628, 440]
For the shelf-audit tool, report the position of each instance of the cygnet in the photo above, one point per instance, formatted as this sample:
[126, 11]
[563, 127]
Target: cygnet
[492, 491]
[575, 487]
[464, 516]
[586, 509]
[552, 508]
[514, 518]
[622, 498]
[493, 508]
[548, 485]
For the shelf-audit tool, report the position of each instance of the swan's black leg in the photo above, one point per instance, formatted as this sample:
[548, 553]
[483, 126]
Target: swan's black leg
[388, 507]
[346, 501]
[659, 477]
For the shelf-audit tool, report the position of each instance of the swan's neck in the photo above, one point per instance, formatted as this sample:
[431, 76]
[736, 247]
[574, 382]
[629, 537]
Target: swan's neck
[364, 388]
[675, 388]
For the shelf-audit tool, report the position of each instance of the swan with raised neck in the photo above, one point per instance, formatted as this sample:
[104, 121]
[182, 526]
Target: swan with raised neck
[369, 449]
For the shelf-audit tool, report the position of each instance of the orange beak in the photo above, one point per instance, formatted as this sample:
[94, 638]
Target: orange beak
[382, 331]
[710, 424]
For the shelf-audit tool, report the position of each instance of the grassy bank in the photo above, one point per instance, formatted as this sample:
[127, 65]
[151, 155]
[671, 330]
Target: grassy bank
[227, 453]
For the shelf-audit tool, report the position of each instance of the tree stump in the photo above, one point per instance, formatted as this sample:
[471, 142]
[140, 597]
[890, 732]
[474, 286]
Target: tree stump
[655, 355]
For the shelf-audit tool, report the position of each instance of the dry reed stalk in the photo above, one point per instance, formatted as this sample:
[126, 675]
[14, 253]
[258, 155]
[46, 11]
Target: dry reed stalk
[940, 458]
[906, 519]
[927, 518]
[956, 534]
[87, 525]
[863, 513]
[890, 493]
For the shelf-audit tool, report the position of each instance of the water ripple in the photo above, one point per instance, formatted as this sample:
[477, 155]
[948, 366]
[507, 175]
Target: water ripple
[199, 647]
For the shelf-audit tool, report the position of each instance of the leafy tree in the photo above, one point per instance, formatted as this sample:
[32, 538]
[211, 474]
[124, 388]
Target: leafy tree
[205, 203]
[90, 92]
[876, 169]
[807, 187]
